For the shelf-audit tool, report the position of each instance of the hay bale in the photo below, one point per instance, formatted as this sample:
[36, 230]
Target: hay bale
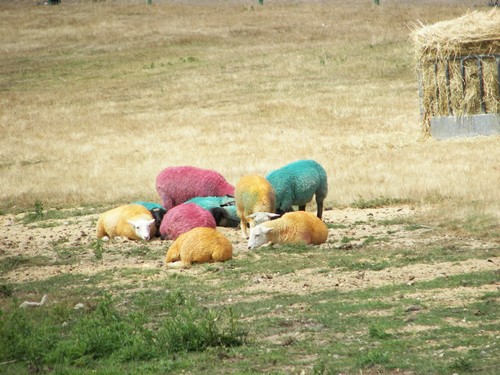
[458, 62]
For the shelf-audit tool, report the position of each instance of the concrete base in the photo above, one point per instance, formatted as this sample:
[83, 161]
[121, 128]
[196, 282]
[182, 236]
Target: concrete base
[465, 126]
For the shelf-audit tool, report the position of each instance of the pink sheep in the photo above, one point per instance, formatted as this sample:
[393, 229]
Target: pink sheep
[183, 218]
[176, 185]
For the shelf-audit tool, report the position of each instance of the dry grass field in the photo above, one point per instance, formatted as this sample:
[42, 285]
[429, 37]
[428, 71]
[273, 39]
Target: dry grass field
[97, 98]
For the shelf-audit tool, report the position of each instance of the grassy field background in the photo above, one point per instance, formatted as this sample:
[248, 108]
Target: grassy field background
[96, 98]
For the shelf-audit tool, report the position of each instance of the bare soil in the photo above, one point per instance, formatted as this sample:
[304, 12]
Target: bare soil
[37, 241]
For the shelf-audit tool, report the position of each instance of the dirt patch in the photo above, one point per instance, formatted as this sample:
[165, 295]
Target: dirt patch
[60, 240]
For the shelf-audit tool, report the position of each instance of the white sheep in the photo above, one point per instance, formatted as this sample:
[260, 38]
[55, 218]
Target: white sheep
[132, 221]
[253, 193]
[199, 245]
[292, 228]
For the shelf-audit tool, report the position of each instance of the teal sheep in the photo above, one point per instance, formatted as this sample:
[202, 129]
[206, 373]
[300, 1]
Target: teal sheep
[223, 209]
[296, 183]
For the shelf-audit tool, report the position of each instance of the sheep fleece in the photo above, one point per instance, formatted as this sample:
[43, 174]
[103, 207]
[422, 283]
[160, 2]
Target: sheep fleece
[113, 223]
[253, 193]
[297, 182]
[200, 245]
[176, 185]
[183, 218]
[297, 227]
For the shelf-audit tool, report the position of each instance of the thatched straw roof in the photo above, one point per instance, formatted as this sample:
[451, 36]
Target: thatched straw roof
[473, 33]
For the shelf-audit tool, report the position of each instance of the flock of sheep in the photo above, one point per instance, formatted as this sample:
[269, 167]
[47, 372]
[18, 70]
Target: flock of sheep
[195, 201]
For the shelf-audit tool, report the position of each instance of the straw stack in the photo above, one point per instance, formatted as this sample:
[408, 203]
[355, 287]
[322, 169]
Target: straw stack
[448, 84]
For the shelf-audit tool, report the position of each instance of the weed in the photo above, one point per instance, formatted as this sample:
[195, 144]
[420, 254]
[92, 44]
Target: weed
[373, 357]
[361, 203]
[38, 338]
[462, 364]
[377, 332]
[98, 248]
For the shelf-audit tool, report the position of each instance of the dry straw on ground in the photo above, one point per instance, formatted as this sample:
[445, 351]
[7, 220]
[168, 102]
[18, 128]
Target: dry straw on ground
[451, 85]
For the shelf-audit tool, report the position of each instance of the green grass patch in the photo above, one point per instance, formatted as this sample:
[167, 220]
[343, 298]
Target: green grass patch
[56, 336]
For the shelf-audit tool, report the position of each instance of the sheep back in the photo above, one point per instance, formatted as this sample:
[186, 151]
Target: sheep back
[150, 205]
[113, 223]
[183, 218]
[210, 202]
[297, 227]
[200, 245]
[296, 183]
[223, 209]
[253, 193]
[176, 185]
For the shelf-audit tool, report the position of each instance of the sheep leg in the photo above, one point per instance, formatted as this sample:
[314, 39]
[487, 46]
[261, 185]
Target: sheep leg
[319, 212]
[243, 223]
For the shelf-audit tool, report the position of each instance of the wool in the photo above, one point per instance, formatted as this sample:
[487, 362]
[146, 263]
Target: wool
[176, 185]
[132, 221]
[296, 183]
[292, 228]
[183, 218]
[253, 193]
[199, 245]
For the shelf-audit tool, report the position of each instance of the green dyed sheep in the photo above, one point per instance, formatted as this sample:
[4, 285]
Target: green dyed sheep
[223, 209]
[296, 183]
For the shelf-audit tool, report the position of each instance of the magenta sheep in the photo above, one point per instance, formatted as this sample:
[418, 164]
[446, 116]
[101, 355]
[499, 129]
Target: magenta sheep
[183, 218]
[176, 185]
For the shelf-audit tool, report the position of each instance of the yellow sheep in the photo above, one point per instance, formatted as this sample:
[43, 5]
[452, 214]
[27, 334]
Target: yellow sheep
[253, 194]
[199, 245]
[132, 221]
[292, 228]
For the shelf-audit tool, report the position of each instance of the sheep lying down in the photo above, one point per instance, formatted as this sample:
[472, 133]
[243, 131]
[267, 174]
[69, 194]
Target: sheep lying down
[132, 221]
[199, 245]
[292, 228]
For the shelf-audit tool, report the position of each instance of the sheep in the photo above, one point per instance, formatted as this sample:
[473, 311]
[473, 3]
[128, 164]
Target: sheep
[199, 245]
[157, 210]
[253, 193]
[292, 228]
[176, 185]
[184, 217]
[132, 221]
[223, 209]
[296, 183]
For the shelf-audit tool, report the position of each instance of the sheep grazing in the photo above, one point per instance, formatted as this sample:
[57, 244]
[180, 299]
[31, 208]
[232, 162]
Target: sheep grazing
[176, 185]
[292, 228]
[296, 183]
[132, 221]
[199, 245]
[253, 193]
[157, 210]
[183, 218]
[223, 209]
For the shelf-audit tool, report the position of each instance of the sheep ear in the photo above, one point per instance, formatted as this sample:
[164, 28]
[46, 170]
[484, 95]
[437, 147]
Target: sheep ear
[131, 222]
[266, 229]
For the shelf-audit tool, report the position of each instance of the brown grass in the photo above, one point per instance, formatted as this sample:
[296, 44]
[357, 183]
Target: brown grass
[97, 98]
